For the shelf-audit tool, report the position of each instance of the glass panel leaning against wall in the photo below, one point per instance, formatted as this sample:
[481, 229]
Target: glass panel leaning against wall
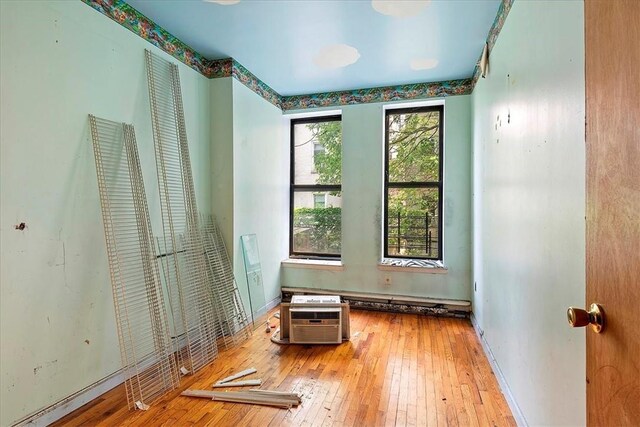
[315, 224]
[413, 183]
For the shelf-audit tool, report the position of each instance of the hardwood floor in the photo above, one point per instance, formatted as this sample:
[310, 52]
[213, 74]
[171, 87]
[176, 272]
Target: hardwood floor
[398, 369]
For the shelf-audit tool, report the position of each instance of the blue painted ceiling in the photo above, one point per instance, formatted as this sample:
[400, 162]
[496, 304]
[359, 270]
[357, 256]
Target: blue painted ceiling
[278, 40]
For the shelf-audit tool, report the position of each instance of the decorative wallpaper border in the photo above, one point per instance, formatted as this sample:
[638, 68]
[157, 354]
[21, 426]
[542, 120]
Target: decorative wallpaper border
[220, 68]
[248, 79]
[378, 94]
[492, 37]
[130, 18]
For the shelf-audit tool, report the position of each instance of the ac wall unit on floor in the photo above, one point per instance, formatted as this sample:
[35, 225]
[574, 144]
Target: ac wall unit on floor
[315, 319]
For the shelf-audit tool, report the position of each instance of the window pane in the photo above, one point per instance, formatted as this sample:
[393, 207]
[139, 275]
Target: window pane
[319, 200]
[317, 229]
[318, 153]
[414, 147]
[412, 220]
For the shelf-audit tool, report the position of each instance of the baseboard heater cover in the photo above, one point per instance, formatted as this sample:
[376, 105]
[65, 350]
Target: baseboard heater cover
[389, 303]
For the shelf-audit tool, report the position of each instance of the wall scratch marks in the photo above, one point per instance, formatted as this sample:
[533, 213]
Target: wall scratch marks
[64, 259]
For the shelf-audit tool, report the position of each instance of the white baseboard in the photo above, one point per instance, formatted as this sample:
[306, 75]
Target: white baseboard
[502, 382]
[273, 303]
[52, 413]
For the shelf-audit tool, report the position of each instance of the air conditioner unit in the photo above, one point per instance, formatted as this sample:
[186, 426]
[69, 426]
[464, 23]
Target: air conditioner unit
[315, 319]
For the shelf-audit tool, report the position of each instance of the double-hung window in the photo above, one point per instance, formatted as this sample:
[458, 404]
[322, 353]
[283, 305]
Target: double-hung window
[413, 183]
[315, 224]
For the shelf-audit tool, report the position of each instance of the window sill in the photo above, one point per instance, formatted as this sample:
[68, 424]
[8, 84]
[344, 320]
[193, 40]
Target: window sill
[412, 266]
[316, 264]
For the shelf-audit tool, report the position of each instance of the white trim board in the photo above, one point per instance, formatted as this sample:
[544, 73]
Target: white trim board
[273, 303]
[502, 382]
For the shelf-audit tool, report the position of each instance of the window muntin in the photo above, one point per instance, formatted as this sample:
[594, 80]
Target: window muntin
[316, 197]
[413, 183]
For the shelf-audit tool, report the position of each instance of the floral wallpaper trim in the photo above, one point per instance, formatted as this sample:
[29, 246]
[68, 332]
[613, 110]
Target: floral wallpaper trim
[378, 94]
[220, 68]
[130, 18]
[492, 37]
[248, 79]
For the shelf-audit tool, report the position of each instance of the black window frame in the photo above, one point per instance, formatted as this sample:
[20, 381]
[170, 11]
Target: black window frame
[308, 187]
[414, 184]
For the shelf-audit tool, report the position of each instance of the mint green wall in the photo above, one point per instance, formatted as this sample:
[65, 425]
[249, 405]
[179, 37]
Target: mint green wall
[249, 166]
[60, 61]
[362, 172]
[221, 119]
[529, 208]
[260, 185]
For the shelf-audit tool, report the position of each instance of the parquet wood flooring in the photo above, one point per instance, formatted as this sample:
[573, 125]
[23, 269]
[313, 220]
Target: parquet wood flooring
[397, 370]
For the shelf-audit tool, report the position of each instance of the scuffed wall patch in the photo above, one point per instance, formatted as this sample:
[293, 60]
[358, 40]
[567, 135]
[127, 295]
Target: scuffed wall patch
[37, 369]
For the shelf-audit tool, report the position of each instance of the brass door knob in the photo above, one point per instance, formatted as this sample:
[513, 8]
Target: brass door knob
[578, 317]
